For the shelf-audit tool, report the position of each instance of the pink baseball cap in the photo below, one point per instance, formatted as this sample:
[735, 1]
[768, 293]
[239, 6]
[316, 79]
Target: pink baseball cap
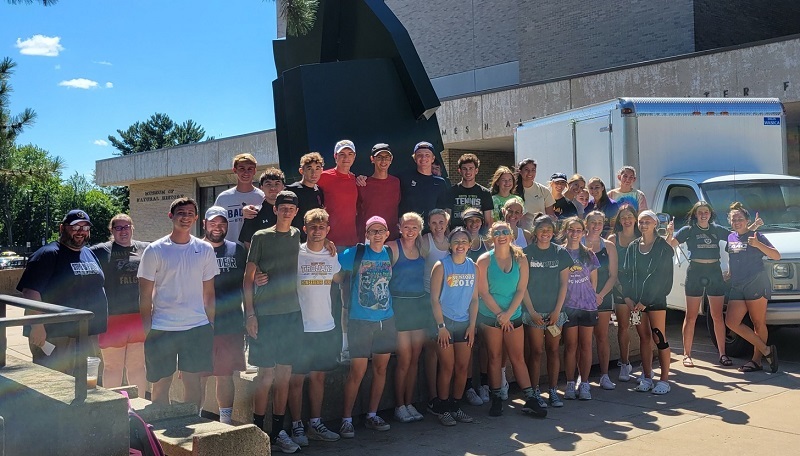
[376, 219]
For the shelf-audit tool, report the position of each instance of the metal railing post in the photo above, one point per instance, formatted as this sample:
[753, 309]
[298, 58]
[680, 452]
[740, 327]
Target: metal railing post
[3, 340]
[80, 362]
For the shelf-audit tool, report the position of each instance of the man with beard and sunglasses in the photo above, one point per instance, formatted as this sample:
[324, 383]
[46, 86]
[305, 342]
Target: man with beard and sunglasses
[67, 273]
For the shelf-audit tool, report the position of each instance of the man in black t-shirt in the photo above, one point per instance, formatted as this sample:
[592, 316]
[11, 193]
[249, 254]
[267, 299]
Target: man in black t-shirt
[563, 207]
[420, 190]
[309, 195]
[468, 193]
[272, 181]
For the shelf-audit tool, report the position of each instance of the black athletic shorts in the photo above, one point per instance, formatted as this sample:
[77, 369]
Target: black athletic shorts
[279, 337]
[580, 317]
[757, 287]
[193, 350]
[318, 352]
[492, 321]
[704, 277]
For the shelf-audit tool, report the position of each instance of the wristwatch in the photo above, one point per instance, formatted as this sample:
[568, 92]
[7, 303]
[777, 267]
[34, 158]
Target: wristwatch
[440, 325]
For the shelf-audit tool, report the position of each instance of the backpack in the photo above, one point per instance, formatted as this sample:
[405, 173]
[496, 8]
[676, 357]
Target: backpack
[143, 441]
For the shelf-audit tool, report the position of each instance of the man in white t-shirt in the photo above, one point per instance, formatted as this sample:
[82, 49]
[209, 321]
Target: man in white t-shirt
[316, 271]
[176, 303]
[537, 196]
[245, 194]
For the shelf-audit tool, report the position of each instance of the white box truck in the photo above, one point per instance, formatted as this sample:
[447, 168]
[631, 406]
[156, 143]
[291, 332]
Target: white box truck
[718, 150]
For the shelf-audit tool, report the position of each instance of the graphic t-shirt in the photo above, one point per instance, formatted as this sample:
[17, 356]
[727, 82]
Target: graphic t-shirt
[420, 193]
[538, 198]
[459, 198]
[499, 201]
[379, 197]
[370, 298]
[458, 286]
[564, 208]
[703, 244]
[746, 261]
[178, 271]
[120, 265]
[265, 218]
[634, 197]
[275, 253]
[315, 271]
[308, 198]
[68, 278]
[229, 314]
[580, 292]
[544, 280]
[341, 205]
[234, 201]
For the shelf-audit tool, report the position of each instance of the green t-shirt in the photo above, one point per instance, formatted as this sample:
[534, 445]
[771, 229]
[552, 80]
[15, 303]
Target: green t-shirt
[499, 201]
[275, 253]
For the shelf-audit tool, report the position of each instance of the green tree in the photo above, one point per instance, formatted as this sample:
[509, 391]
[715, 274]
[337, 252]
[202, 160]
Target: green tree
[299, 15]
[33, 201]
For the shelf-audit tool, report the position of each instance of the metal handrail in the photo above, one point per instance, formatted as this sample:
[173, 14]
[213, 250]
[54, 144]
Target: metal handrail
[52, 313]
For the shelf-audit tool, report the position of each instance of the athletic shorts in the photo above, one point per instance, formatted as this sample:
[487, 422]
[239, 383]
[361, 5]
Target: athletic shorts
[367, 337]
[706, 277]
[318, 353]
[608, 303]
[458, 330]
[411, 314]
[758, 287]
[192, 349]
[492, 321]
[228, 355]
[580, 317]
[122, 330]
[655, 307]
[526, 319]
[279, 337]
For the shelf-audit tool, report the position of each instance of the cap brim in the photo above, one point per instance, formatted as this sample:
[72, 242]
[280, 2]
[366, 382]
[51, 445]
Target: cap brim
[80, 220]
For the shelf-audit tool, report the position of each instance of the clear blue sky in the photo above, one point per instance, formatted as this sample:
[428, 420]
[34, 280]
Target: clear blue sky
[209, 61]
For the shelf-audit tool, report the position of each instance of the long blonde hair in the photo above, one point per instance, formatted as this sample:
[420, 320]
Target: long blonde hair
[516, 251]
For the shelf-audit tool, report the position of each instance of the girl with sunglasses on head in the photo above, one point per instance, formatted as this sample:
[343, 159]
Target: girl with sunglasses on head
[625, 230]
[502, 281]
[513, 212]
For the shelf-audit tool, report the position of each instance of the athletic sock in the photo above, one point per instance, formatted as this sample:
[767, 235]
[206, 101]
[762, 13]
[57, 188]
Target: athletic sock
[503, 381]
[496, 392]
[349, 420]
[452, 404]
[469, 384]
[529, 394]
[484, 378]
[277, 426]
[314, 421]
[258, 420]
[296, 424]
[225, 414]
[371, 414]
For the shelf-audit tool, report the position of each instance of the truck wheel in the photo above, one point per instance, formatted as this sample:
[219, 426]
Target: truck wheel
[735, 346]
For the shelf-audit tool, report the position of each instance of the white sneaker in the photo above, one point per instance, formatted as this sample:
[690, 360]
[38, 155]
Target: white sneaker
[285, 444]
[473, 398]
[569, 392]
[624, 371]
[321, 432]
[584, 392]
[299, 435]
[401, 414]
[347, 431]
[606, 383]
[376, 423]
[504, 391]
[484, 393]
[414, 412]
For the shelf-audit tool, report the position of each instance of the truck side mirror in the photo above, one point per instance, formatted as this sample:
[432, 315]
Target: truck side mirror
[663, 220]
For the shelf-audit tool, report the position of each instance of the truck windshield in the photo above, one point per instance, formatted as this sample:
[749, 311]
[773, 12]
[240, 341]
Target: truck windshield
[777, 202]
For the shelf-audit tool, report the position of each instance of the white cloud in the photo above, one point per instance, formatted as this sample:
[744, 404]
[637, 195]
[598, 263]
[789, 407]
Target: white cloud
[109, 85]
[100, 142]
[47, 46]
[79, 83]
[58, 67]
[103, 62]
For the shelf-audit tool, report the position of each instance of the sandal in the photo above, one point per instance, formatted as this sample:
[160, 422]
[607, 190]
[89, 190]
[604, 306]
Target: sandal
[645, 385]
[662, 387]
[725, 361]
[750, 366]
[687, 361]
[772, 358]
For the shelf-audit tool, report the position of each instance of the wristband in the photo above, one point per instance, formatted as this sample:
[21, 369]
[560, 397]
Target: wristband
[440, 326]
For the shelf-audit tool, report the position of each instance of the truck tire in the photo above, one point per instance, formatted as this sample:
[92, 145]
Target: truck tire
[735, 346]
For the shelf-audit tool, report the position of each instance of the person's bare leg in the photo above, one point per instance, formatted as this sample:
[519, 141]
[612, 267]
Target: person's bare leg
[623, 336]
[689, 322]
[735, 314]
[514, 342]
[316, 392]
[283, 374]
[758, 315]
[403, 353]
[460, 370]
[658, 321]
[160, 394]
[570, 352]
[135, 368]
[358, 367]
[585, 350]
[431, 365]
[444, 376]
[417, 342]
[191, 388]
[645, 346]
[379, 363]
[601, 338]
[535, 339]
[296, 396]
[553, 359]
[715, 304]
[263, 386]
[113, 365]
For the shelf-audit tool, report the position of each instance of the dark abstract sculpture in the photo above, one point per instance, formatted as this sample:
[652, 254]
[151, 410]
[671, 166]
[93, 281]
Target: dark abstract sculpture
[355, 75]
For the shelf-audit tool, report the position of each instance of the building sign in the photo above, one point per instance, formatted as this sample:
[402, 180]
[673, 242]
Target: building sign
[152, 196]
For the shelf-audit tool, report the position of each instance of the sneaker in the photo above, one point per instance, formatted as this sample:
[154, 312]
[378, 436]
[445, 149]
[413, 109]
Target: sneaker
[285, 444]
[299, 435]
[347, 431]
[484, 393]
[504, 391]
[533, 408]
[461, 417]
[473, 398]
[569, 393]
[376, 423]
[321, 432]
[585, 392]
[606, 383]
[447, 419]
[401, 414]
[624, 371]
[431, 408]
[537, 394]
[414, 413]
[497, 406]
[555, 401]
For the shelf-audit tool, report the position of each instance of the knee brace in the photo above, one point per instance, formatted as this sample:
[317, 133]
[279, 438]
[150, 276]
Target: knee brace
[662, 343]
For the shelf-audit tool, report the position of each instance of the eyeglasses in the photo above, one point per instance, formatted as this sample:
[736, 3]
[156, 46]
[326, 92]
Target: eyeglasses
[76, 228]
[501, 232]
[121, 227]
[376, 232]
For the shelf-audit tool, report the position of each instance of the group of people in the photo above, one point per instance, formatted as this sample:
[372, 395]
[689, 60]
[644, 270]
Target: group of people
[338, 268]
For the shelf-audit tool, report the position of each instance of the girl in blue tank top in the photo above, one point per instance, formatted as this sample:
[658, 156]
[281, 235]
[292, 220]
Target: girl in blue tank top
[454, 300]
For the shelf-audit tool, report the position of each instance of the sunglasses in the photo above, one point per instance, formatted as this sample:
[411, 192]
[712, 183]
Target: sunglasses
[501, 232]
[76, 228]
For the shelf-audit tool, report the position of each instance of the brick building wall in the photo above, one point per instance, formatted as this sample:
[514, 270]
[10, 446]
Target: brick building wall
[734, 22]
[150, 205]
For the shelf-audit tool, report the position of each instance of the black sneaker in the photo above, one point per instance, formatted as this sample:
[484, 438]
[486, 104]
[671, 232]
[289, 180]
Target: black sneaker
[435, 407]
[533, 408]
[497, 406]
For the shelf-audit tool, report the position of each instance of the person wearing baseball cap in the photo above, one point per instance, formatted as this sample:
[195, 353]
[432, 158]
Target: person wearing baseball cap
[381, 194]
[562, 207]
[420, 190]
[67, 273]
[371, 329]
[341, 195]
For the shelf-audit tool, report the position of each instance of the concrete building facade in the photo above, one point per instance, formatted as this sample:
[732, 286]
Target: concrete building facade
[497, 64]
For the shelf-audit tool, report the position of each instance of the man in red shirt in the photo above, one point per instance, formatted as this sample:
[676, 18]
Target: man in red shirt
[381, 195]
[339, 187]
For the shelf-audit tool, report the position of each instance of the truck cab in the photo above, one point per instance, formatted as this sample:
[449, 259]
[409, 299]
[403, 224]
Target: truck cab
[776, 199]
